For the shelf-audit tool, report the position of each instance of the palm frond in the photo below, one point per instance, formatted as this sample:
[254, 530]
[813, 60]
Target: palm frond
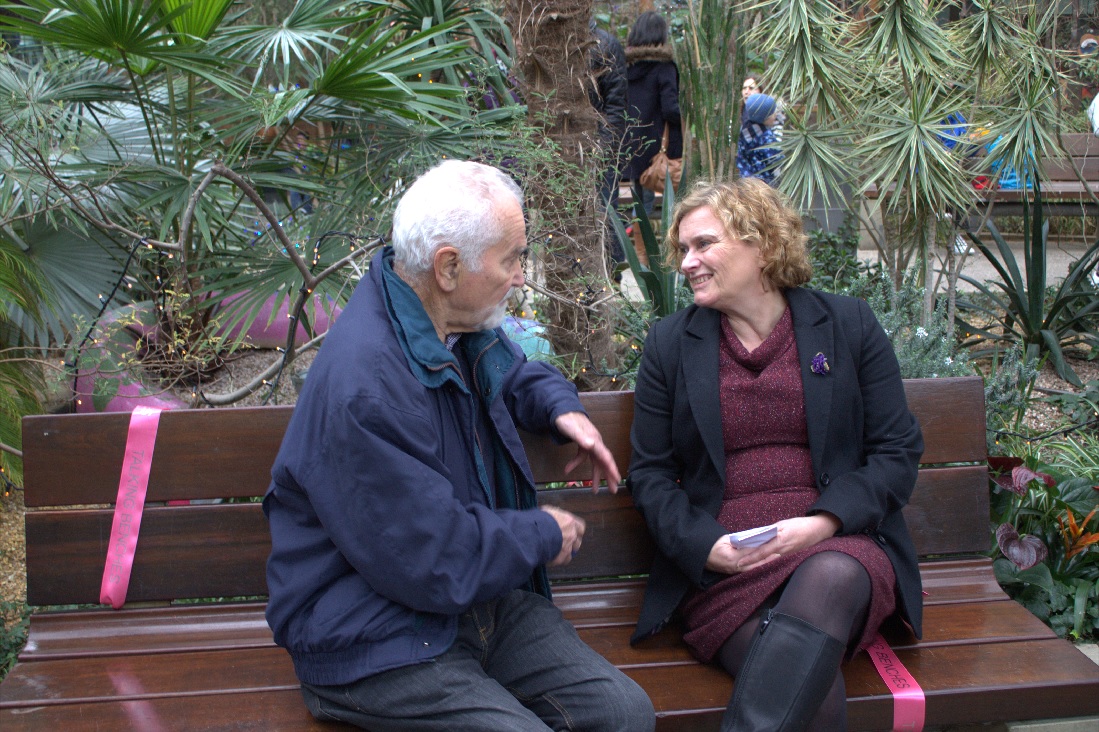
[812, 67]
[906, 156]
[817, 162]
[309, 34]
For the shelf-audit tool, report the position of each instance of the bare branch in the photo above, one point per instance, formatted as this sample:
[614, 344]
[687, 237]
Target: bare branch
[276, 228]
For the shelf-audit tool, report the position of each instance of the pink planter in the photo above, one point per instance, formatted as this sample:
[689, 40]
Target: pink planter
[131, 391]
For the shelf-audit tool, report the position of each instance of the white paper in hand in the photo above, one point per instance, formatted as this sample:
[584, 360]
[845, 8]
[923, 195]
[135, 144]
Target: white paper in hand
[753, 537]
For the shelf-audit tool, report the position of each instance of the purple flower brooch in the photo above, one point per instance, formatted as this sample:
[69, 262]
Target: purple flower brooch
[820, 364]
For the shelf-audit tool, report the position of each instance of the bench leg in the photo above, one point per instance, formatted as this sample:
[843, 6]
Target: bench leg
[789, 670]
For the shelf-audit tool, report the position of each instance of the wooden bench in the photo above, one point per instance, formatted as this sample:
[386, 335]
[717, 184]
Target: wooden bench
[1062, 192]
[164, 664]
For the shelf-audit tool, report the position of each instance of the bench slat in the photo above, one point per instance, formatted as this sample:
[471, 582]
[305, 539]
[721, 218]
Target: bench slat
[264, 711]
[1062, 170]
[1080, 144]
[989, 682]
[952, 414]
[958, 589]
[959, 580]
[1016, 679]
[227, 453]
[146, 630]
[200, 453]
[66, 549]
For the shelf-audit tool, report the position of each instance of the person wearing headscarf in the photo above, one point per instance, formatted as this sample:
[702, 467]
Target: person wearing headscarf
[757, 154]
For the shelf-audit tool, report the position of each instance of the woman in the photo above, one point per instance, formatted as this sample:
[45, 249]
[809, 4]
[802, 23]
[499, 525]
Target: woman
[749, 87]
[767, 403]
[652, 97]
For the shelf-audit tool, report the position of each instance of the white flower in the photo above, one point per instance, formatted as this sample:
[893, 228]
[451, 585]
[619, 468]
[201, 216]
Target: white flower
[948, 360]
[921, 333]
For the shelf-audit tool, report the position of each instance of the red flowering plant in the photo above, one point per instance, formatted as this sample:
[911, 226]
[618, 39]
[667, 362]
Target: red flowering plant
[1046, 542]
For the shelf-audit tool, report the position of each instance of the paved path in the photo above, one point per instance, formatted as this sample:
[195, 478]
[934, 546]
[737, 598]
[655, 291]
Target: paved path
[1059, 257]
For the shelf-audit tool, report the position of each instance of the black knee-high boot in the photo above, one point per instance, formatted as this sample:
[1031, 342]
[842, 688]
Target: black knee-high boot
[788, 672]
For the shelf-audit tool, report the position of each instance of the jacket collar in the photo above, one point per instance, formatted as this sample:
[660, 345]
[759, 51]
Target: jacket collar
[649, 53]
[815, 333]
[428, 358]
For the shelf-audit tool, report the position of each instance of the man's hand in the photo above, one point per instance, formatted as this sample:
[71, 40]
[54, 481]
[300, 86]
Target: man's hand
[572, 534]
[578, 428]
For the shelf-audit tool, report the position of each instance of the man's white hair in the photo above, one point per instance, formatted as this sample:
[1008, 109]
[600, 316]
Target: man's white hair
[453, 204]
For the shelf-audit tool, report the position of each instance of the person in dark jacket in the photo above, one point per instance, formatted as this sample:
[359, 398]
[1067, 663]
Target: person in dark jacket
[608, 96]
[765, 405]
[407, 569]
[652, 97]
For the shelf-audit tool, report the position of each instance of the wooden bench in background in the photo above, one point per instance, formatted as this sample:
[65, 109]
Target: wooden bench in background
[161, 664]
[1063, 194]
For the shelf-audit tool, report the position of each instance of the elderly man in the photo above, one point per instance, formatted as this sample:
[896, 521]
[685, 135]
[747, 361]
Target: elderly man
[407, 570]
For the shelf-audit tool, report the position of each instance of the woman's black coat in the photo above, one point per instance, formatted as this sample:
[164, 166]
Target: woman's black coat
[865, 444]
[652, 98]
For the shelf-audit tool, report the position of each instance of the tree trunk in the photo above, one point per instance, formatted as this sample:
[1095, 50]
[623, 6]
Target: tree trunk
[553, 42]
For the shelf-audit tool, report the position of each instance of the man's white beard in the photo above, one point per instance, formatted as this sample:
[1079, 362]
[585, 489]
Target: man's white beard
[496, 317]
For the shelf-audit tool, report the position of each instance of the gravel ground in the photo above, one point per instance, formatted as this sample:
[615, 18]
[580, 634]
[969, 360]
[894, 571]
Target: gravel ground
[242, 369]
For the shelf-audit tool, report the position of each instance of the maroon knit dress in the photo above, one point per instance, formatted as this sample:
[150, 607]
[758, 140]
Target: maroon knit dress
[769, 477]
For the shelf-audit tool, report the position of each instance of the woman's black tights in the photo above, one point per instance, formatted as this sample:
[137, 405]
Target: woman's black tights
[830, 590]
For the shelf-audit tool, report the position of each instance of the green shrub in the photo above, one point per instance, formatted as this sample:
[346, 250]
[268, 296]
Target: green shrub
[924, 351]
[1008, 386]
[834, 255]
[1046, 540]
[14, 620]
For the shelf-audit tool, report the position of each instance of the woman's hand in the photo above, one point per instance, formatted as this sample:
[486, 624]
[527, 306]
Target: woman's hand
[726, 558]
[793, 535]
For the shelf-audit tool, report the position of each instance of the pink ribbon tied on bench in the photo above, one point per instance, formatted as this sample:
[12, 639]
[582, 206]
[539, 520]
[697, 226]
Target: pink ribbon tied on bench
[129, 505]
[908, 697]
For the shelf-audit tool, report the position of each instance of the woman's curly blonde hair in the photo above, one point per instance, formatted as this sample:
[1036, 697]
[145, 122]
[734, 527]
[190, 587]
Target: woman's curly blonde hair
[756, 213]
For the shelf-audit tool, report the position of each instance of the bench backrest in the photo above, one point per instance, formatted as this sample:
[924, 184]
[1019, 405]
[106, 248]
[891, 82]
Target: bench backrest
[72, 465]
[1084, 150]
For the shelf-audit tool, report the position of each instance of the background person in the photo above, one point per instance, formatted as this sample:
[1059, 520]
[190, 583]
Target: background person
[406, 575]
[767, 403]
[608, 96]
[749, 87]
[757, 152]
[652, 98]
[754, 85]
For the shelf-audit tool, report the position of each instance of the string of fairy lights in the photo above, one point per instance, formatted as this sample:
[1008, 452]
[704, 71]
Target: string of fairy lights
[353, 240]
[105, 302]
[1093, 422]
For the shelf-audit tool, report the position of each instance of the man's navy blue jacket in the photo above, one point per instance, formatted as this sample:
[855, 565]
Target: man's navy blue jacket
[383, 525]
